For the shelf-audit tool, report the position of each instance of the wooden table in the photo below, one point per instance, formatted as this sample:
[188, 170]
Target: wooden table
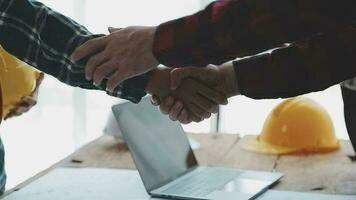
[330, 173]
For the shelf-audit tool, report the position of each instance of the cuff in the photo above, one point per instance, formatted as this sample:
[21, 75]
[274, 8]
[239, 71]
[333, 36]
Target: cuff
[253, 76]
[134, 89]
[164, 47]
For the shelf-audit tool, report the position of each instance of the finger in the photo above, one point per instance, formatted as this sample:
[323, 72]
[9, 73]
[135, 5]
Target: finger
[155, 100]
[207, 115]
[93, 63]
[177, 75]
[176, 78]
[204, 103]
[24, 106]
[214, 96]
[22, 109]
[28, 101]
[176, 110]
[12, 114]
[115, 79]
[102, 72]
[166, 106]
[120, 75]
[183, 117]
[40, 79]
[196, 110]
[194, 118]
[89, 47]
[112, 29]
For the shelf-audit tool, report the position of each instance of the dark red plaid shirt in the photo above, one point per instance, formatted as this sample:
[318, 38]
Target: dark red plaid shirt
[322, 37]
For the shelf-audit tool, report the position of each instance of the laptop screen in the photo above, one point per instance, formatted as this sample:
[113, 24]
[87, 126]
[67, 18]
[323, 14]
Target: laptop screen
[159, 147]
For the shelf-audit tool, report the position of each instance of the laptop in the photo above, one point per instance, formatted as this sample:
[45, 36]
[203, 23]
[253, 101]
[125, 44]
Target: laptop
[167, 164]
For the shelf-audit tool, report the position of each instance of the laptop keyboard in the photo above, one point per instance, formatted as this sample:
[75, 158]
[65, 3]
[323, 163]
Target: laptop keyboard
[202, 181]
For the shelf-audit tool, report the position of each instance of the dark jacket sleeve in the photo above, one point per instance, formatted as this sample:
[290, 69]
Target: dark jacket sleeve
[228, 29]
[309, 65]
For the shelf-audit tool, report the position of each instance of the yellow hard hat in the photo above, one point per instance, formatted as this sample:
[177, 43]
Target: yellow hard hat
[296, 126]
[17, 78]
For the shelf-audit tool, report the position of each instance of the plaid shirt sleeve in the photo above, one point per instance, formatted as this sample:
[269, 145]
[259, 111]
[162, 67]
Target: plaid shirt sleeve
[228, 29]
[309, 65]
[44, 39]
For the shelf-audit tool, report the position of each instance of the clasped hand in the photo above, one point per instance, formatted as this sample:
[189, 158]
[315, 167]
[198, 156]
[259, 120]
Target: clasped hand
[121, 55]
[185, 94]
[207, 87]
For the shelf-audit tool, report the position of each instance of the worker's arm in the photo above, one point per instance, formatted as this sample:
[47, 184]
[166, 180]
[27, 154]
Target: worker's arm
[309, 65]
[228, 29]
[44, 39]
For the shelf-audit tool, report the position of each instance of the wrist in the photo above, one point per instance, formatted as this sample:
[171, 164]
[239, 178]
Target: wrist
[152, 34]
[158, 81]
[227, 71]
[149, 86]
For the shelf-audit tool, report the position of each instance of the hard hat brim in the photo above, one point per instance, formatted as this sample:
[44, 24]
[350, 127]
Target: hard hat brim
[253, 144]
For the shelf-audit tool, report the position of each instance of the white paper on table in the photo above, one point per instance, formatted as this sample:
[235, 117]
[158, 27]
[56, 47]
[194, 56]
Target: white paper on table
[84, 183]
[113, 184]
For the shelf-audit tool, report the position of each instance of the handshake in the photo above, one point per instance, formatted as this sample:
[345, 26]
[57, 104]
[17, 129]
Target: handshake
[185, 94]
[191, 94]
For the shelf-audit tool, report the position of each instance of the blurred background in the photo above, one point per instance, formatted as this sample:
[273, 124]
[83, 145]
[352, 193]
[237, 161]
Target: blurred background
[66, 118]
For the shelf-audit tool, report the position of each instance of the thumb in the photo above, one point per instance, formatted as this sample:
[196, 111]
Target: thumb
[112, 29]
[177, 76]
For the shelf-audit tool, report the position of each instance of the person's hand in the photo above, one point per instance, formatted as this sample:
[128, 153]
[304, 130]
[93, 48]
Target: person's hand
[27, 102]
[123, 54]
[220, 78]
[191, 95]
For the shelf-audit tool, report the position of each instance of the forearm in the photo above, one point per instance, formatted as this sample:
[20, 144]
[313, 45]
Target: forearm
[235, 28]
[44, 39]
[229, 83]
[306, 66]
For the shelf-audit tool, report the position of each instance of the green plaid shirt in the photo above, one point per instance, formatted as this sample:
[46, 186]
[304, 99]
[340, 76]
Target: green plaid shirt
[44, 39]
